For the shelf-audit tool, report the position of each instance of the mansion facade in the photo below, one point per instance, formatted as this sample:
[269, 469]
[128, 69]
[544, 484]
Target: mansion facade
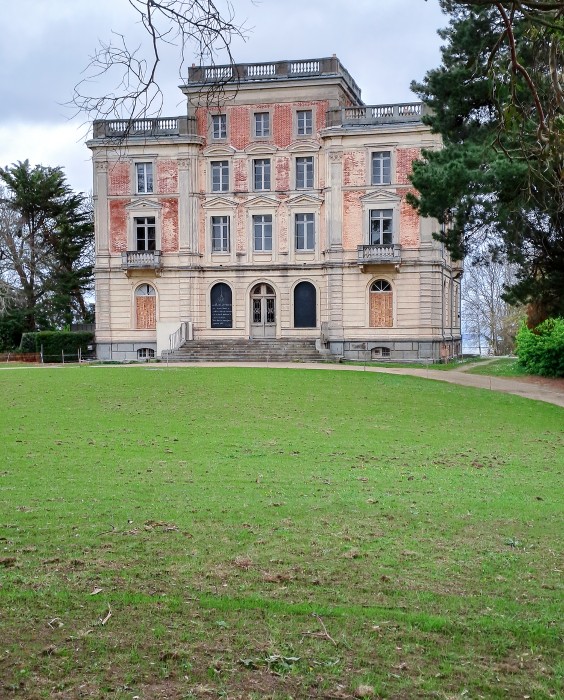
[274, 210]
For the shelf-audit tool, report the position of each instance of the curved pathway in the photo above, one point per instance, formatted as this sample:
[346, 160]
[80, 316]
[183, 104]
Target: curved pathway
[530, 390]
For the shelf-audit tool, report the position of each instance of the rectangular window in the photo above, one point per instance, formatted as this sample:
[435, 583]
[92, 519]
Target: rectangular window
[305, 232]
[304, 173]
[381, 226]
[145, 233]
[219, 126]
[381, 167]
[144, 177]
[262, 124]
[220, 234]
[261, 174]
[304, 122]
[220, 175]
[262, 232]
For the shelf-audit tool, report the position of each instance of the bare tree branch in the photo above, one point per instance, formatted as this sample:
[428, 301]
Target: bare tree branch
[200, 27]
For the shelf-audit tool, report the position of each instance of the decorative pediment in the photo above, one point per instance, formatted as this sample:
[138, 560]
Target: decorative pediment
[220, 203]
[219, 149]
[305, 200]
[260, 149]
[304, 145]
[262, 201]
[143, 205]
[381, 196]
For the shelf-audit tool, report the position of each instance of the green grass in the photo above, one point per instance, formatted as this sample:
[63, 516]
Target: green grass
[263, 533]
[504, 367]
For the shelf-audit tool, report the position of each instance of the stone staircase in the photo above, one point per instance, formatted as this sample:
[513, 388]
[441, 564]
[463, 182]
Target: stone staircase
[242, 350]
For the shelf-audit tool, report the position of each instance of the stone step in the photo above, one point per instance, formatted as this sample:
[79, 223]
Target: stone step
[243, 350]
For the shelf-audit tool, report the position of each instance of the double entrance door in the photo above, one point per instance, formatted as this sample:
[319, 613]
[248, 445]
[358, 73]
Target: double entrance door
[263, 311]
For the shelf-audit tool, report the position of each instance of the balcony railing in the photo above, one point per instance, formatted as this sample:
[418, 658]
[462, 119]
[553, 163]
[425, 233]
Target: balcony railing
[376, 114]
[128, 128]
[278, 70]
[141, 260]
[379, 253]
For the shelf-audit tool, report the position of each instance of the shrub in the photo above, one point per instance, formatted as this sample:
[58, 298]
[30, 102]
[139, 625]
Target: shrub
[541, 349]
[56, 342]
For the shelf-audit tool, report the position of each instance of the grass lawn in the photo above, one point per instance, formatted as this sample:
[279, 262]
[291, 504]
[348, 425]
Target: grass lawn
[504, 367]
[266, 533]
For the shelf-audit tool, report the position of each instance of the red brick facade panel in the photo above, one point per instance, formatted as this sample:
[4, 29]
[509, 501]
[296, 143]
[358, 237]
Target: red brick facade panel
[354, 168]
[352, 219]
[409, 226]
[404, 159]
[118, 225]
[167, 177]
[283, 228]
[169, 227]
[239, 127]
[240, 176]
[282, 125]
[240, 229]
[202, 122]
[119, 178]
[282, 173]
[321, 114]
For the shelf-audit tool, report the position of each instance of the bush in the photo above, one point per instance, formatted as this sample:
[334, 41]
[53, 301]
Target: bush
[541, 350]
[56, 342]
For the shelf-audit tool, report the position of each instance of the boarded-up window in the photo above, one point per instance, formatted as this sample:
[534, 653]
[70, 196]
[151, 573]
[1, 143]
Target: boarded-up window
[145, 307]
[381, 305]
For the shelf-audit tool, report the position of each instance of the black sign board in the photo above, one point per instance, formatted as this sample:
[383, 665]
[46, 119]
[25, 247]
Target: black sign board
[221, 306]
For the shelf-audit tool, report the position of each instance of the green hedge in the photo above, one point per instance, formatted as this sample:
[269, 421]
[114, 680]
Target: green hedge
[541, 350]
[56, 342]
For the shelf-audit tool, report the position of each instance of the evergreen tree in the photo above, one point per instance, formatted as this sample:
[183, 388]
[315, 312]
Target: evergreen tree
[498, 102]
[46, 237]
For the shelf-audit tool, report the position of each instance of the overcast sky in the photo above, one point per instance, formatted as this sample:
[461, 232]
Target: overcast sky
[46, 44]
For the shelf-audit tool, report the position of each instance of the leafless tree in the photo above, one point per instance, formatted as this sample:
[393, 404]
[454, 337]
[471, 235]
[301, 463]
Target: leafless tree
[200, 28]
[489, 321]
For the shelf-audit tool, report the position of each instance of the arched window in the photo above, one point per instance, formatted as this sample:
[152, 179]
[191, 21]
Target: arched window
[146, 307]
[221, 305]
[381, 304]
[305, 305]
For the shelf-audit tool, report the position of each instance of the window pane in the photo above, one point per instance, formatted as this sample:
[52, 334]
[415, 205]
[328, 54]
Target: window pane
[381, 168]
[219, 126]
[262, 124]
[304, 173]
[304, 122]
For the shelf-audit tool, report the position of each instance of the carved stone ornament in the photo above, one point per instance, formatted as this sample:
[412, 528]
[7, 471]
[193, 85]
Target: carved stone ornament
[336, 156]
[102, 166]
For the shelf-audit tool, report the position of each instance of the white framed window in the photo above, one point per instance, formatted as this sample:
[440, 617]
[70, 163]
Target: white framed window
[219, 126]
[381, 168]
[305, 231]
[145, 233]
[262, 124]
[219, 175]
[304, 172]
[304, 122]
[145, 354]
[261, 174]
[262, 232]
[220, 234]
[381, 226]
[144, 178]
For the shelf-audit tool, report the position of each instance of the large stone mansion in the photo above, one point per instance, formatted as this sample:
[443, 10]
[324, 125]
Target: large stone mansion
[275, 210]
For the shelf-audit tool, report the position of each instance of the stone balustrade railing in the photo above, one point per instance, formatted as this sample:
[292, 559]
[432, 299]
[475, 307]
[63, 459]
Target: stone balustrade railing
[379, 253]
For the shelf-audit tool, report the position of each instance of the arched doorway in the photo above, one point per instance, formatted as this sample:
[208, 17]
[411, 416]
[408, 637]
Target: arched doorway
[146, 307]
[263, 311]
[381, 305]
[305, 305]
